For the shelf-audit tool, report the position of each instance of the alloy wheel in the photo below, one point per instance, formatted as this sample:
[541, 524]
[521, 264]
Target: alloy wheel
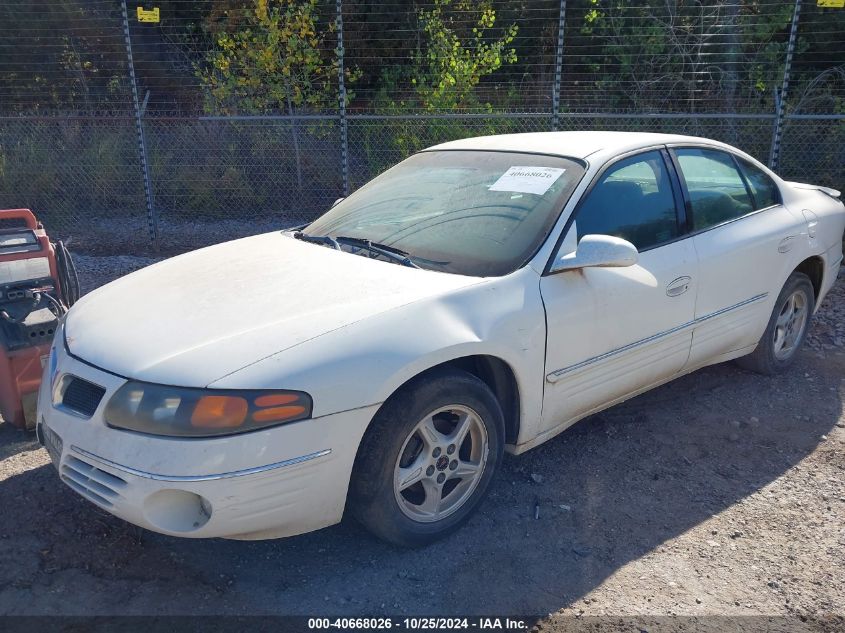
[441, 463]
[790, 325]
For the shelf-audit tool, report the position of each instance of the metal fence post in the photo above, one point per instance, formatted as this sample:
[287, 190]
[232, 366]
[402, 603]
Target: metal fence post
[780, 105]
[558, 66]
[152, 223]
[344, 135]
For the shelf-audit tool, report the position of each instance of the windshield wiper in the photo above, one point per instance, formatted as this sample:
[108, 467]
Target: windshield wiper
[356, 242]
[382, 249]
[325, 240]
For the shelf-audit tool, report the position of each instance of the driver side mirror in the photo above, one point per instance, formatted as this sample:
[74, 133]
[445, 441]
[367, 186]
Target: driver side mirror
[603, 251]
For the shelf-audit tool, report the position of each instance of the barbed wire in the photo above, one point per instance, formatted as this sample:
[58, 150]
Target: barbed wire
[221, 148]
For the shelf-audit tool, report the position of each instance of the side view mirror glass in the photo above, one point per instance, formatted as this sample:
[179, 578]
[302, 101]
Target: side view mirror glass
[598, 251]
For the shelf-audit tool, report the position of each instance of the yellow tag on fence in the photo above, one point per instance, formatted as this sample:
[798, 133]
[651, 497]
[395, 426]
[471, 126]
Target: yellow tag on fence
[832, 4]
[153, 15]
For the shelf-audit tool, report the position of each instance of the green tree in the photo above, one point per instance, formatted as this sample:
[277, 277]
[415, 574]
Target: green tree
[447, 71]
[61, 56]
[454, 54]
[458, 45]
[274, 59]
[673, 55]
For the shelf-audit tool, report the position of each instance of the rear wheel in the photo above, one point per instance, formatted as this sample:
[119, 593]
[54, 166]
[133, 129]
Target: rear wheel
[787, 328]
[428, 458]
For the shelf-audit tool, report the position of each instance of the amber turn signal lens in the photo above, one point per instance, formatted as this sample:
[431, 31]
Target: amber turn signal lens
[219, 412]
[276, 400]
[278, 414]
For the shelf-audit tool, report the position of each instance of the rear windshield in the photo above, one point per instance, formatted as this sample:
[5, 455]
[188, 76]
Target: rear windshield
[479, 213]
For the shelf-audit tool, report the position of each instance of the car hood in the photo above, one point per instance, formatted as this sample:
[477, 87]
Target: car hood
[196, 318]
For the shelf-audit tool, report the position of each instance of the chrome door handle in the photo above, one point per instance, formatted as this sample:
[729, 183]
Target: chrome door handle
[678, 286]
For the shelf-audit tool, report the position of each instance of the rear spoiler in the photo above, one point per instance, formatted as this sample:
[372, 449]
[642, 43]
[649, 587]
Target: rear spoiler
[833, 193]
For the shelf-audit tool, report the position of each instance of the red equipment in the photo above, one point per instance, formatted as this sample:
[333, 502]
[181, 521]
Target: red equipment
[37, 284]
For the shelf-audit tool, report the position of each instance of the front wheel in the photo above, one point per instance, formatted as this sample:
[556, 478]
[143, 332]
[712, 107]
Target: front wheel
[428, 458]
[787, 328]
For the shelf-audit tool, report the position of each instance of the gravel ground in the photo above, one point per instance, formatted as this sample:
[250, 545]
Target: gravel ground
[97, 271]
[722, 493]
[130, 235]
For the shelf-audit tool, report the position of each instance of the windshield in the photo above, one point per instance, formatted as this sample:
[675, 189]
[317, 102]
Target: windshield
[477, 213]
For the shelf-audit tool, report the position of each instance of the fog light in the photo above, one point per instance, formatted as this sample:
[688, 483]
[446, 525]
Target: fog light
[177, 510]
[205, 506]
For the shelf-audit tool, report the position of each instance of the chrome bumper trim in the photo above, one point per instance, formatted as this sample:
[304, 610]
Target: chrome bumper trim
[192, 478]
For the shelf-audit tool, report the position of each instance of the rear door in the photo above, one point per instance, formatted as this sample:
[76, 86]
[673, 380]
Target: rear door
[742, 234]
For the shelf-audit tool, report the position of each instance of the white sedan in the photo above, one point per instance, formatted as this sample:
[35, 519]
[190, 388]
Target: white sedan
[479, 297]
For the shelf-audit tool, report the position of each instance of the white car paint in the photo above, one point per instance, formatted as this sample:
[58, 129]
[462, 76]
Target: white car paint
[271, 312]
[229, 306]
[582, 312]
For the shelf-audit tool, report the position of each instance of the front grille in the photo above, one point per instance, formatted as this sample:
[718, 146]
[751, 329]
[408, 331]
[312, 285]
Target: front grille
[92, 483]
[82, 396]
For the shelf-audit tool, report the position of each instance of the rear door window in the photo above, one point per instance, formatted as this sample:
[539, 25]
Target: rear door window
[716, 189]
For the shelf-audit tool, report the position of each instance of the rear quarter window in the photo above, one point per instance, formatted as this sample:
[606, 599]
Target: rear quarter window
[763, 188]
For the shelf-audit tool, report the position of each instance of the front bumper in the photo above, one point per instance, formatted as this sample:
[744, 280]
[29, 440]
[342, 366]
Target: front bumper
[266, 484]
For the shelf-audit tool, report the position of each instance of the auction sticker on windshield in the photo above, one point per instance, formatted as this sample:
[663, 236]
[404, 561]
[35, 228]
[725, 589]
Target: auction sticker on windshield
[524, 179]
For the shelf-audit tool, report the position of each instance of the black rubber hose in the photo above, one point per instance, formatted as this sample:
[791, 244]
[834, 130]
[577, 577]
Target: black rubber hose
[36, 302]
[68, 277]
[57, 308]
[62, 273]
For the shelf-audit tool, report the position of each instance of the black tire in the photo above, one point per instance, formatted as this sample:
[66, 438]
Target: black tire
[372, 497]
[764, 359]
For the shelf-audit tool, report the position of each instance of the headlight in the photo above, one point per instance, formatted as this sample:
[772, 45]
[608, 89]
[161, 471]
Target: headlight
[184, 412]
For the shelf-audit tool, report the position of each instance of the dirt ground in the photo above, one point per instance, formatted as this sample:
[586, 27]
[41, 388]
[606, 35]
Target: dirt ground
[722, 493]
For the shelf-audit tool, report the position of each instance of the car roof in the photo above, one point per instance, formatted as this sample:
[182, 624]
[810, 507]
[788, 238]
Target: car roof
[571, 144]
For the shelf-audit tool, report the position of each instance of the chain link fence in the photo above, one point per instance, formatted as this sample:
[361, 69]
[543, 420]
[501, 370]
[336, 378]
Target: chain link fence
[75, 148]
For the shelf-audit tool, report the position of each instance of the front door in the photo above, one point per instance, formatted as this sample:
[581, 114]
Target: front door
[615, 331]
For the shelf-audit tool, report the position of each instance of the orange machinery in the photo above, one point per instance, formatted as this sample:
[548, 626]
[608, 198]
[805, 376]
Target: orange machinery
[37, 284]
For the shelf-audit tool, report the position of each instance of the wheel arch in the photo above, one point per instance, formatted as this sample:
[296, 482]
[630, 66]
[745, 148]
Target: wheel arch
[813, 267]
[493, 371]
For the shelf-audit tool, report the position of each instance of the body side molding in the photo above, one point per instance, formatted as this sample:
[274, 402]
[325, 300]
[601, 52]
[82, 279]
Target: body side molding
[559, 373]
